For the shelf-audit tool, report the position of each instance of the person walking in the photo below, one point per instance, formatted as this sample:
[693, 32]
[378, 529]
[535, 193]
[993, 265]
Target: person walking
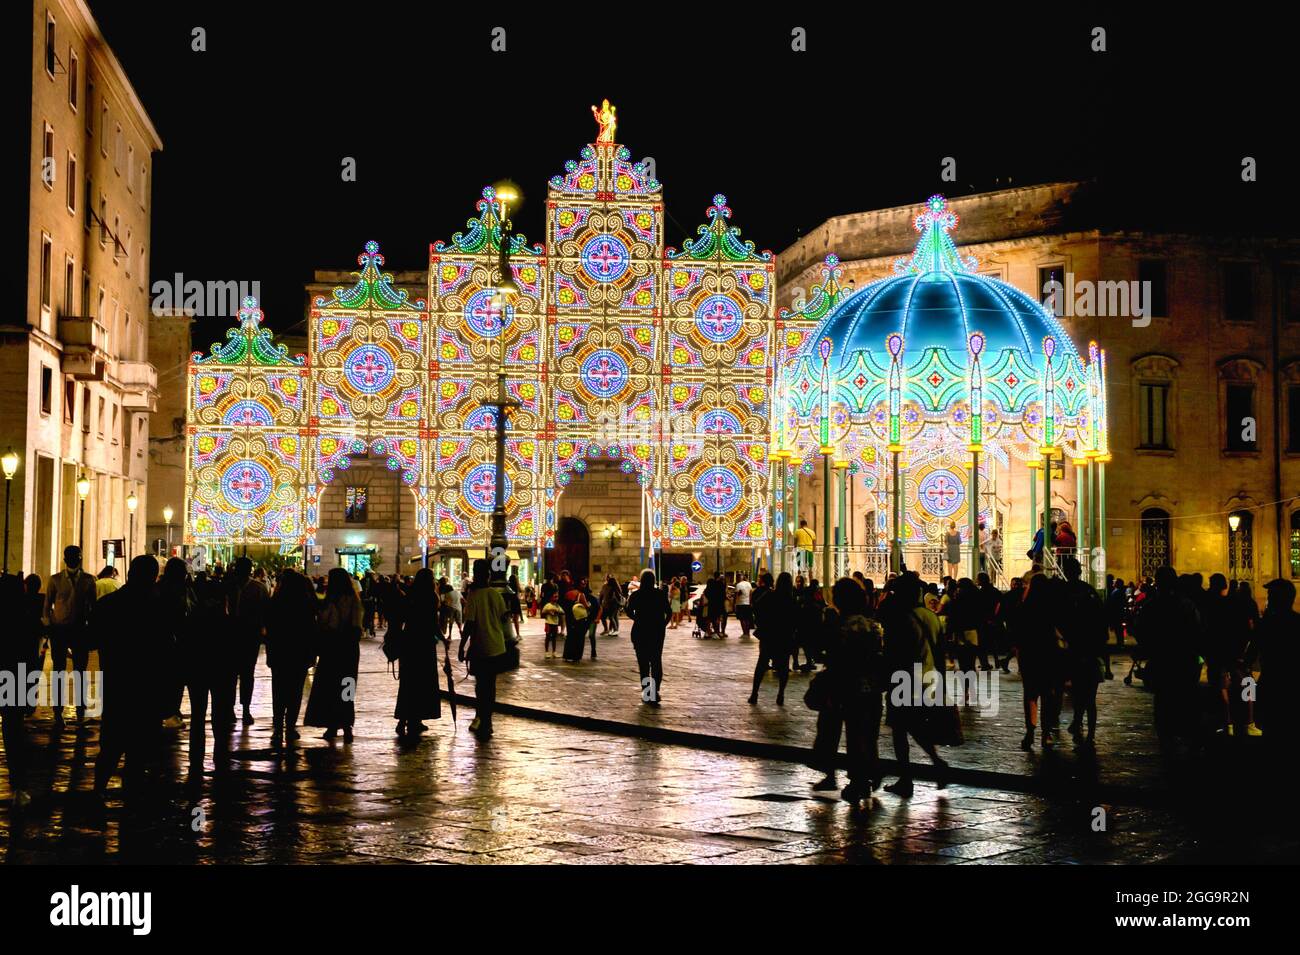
[804, 542]
[332, 703]
[610, 599]
[247, 599]
[775, 616]
[1083, 625]
[1278, 636]
[911, 646]
[291, 632]
[715, 598]
[1038, 658]
[486, 618]
[675, 601]
[69, 602]
[209, 663]
[417, 689]
[131, 634]
[649, 612]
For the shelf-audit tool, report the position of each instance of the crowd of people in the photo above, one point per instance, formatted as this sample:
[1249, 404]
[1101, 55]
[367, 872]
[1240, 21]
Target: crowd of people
[160, 635]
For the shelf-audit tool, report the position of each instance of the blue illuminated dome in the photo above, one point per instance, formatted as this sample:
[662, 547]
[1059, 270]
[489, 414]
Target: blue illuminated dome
[937, 301]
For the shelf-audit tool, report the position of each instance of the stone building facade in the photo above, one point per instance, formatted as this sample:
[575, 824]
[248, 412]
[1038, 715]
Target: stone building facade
[1204, 398]
[76, 385]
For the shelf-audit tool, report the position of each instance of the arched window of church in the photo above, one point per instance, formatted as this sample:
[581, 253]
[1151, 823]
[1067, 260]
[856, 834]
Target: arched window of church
[1154, 541]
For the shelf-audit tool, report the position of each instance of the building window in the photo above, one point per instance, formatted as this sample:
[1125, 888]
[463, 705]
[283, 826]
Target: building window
[127, 252]
[85, 410]
[140, 269]
[1240, 427]
[69, 285]
[1295, 543]
[48, 172]
[90, 211]
[69, 400]
[117, 246]
[51, 58]
[1153, 276]
[114, 431]
[354, 507]
[1051, 287]
[103, 130]
[85, 291]
[72, 183]
[90, 108]
[99, 420]
[73, 79]
[47, 254]
[119, 148]
[47, 389]
[1153, 414]
[1238, 292]
[144, 175]
[130, 168]
[1241, 546]
[1154, 542]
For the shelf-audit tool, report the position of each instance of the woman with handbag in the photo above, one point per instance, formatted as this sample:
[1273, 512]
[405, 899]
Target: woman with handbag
[332, 703]
[577, 612]
[417, 657]
[486, 619]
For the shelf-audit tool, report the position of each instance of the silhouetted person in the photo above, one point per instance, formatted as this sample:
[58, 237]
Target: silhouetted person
[486, 619]
[853, 652]
[649, 611]
[417, 691]
[132, 635]
[1278, 636]
[332, 703]
[247, 598]
[209, 662]
[176, 603]
[911, 641]
[775, 617]
[1168, 626]
[16, 637]
[291, 632]
[1083, 624]
[69, 602]
[1039, 658]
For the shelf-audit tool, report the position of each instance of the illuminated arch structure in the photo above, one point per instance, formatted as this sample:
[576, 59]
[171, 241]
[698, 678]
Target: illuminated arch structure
[615, 348]
[923, 383]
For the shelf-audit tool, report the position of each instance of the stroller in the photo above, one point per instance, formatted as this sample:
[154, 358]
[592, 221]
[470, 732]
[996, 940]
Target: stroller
[700, 631]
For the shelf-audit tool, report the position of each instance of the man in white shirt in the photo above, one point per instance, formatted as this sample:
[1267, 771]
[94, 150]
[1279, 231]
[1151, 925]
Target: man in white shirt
[744, 610]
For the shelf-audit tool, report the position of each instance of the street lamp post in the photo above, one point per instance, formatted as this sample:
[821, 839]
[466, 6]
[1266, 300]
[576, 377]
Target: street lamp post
[132, 502]
[10, 464]
[506, 290]
[83, 491]
[167, 519]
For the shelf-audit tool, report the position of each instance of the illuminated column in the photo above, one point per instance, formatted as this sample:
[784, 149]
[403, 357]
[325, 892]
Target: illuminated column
[797, 464]
[826, 450]
[1080, 513]
[894, 344]
[1033, 464]
[976, 344]
[1049, 439]
[1102, 560]
[841, 523]
[1090, 480]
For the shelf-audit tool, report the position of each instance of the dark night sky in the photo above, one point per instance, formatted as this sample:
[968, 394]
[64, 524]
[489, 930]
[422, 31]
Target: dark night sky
[254, 130]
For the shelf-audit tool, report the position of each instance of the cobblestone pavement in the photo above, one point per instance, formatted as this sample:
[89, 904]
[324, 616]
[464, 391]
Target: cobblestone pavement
[541, 792]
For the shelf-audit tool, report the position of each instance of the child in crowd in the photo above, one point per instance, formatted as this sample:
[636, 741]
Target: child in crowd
[552, 613]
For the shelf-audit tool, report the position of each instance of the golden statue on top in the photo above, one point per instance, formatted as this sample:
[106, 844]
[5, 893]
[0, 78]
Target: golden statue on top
[607, 121]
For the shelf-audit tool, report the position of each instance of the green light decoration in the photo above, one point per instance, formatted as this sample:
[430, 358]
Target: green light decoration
[373, 289]
[719, 240]
[485, 233]
[249, 342]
